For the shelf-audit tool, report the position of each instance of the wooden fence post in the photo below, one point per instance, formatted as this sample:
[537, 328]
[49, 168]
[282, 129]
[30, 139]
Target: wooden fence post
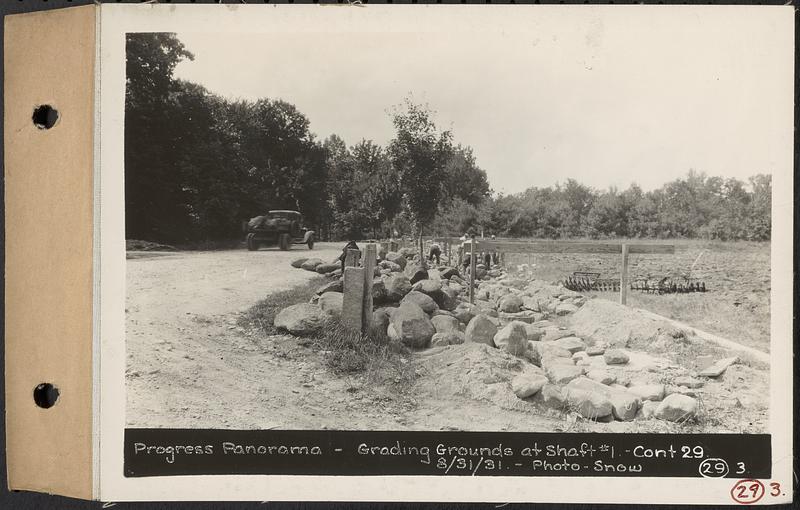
[472, 264]
[353, 300]
[623, 276]
[352, 258]
[370, 254]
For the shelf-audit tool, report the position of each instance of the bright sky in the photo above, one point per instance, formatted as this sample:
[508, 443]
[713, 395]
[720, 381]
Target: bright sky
[604, 99]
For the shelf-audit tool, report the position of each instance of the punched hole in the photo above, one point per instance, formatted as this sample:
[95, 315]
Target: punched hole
[45, 116]
[45, 395]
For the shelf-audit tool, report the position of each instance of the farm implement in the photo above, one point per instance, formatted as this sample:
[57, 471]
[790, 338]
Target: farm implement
[583, 281]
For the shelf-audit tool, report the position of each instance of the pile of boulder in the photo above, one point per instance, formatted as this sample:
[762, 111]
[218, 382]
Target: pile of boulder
[429, 308]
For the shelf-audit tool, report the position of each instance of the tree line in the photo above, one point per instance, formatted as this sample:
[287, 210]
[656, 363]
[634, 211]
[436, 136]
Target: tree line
[197, 165]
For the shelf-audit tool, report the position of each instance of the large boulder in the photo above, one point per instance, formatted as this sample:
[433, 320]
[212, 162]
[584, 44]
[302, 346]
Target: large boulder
[481, 330]
[464, 312]
[554, 333]
[653, 392]
[301, 319]
[397, 286]
[566, 309]
[510, 304]
[299, 262]
[527, 384]
[415, 273]
[624, 406]
[445, 297]
[676, 407]
[327, 268]
[512, 338]
[412, 325]
[397, 259]
[613, 324]
[445, 324]
[334, 286]
[571, 343]
[562, 373]
[448, 338]
[534, 333]
[445, 273]
[391, 266]
[379, 293]
[615, 357]
[428, 287]
[311, 264]
[718, 368]
[331, 303]
[589, 404]
[380, 322]
[424, 301]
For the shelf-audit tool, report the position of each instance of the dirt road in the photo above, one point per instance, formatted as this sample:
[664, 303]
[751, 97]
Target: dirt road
[190, 365]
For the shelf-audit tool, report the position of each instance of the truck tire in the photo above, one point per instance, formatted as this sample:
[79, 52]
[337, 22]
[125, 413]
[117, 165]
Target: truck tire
[284, 242]
[252, 244]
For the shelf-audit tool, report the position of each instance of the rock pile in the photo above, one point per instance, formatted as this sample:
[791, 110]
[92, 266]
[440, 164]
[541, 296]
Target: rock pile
[567, 369]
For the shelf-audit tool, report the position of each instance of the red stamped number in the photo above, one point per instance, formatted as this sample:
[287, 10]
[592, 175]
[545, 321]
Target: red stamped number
[747, 492]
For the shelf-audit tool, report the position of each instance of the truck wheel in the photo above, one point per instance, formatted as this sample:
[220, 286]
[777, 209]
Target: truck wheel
[252, 245]
[284, 242]
[311, 243]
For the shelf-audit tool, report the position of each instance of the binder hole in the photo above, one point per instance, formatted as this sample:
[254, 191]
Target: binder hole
[45, 116]
[45, 395]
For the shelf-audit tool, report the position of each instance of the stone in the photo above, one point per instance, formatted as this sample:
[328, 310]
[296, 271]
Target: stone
[379, 292]
[334, 286]
[648, 409]
[565, 309]
[445, 273]
[447, 298]
[554, 333]
[427, 286]
[601, 376]
[311, 264]
[299, 262]
[548, 349]
[676, 407]
[465, 312]
[534, 333]
[424, 301]
[480, 272]
[571, 343]
[392, 334]
[718, 368]
[510, 304]
[653, 392]
[523, 316]
[552, 396]
[703, 361]
[397, 259]
[301, 319]
[615, 357]
[595, 350]
[415, 273]
[456, 287]
[689, 382]
[331, 303]
[327, 268]
[590, 405]
[562, 373]
[448, 338]
[380, 322]
[512, 339]
[391, 266]
[481, 330]
[445, 323]
[580, 355]
[624, 406]
[527, 384]
[412, 325]
[532, 303]
[397, 286]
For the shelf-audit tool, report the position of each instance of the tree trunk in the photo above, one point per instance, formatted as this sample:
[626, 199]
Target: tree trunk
[421, 250]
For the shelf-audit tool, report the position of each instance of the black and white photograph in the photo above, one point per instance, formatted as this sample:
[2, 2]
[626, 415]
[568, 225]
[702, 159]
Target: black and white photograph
[565, 228]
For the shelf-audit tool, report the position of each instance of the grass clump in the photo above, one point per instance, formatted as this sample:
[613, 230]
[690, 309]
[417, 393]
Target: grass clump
[345, 351]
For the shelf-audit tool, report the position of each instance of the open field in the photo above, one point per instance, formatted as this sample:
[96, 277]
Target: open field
[737, 276]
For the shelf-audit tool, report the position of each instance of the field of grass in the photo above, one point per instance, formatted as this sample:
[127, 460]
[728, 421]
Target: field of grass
[737, 277]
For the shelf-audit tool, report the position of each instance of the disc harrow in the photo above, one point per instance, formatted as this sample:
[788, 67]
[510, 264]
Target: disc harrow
[588, 281]
[667, 285]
